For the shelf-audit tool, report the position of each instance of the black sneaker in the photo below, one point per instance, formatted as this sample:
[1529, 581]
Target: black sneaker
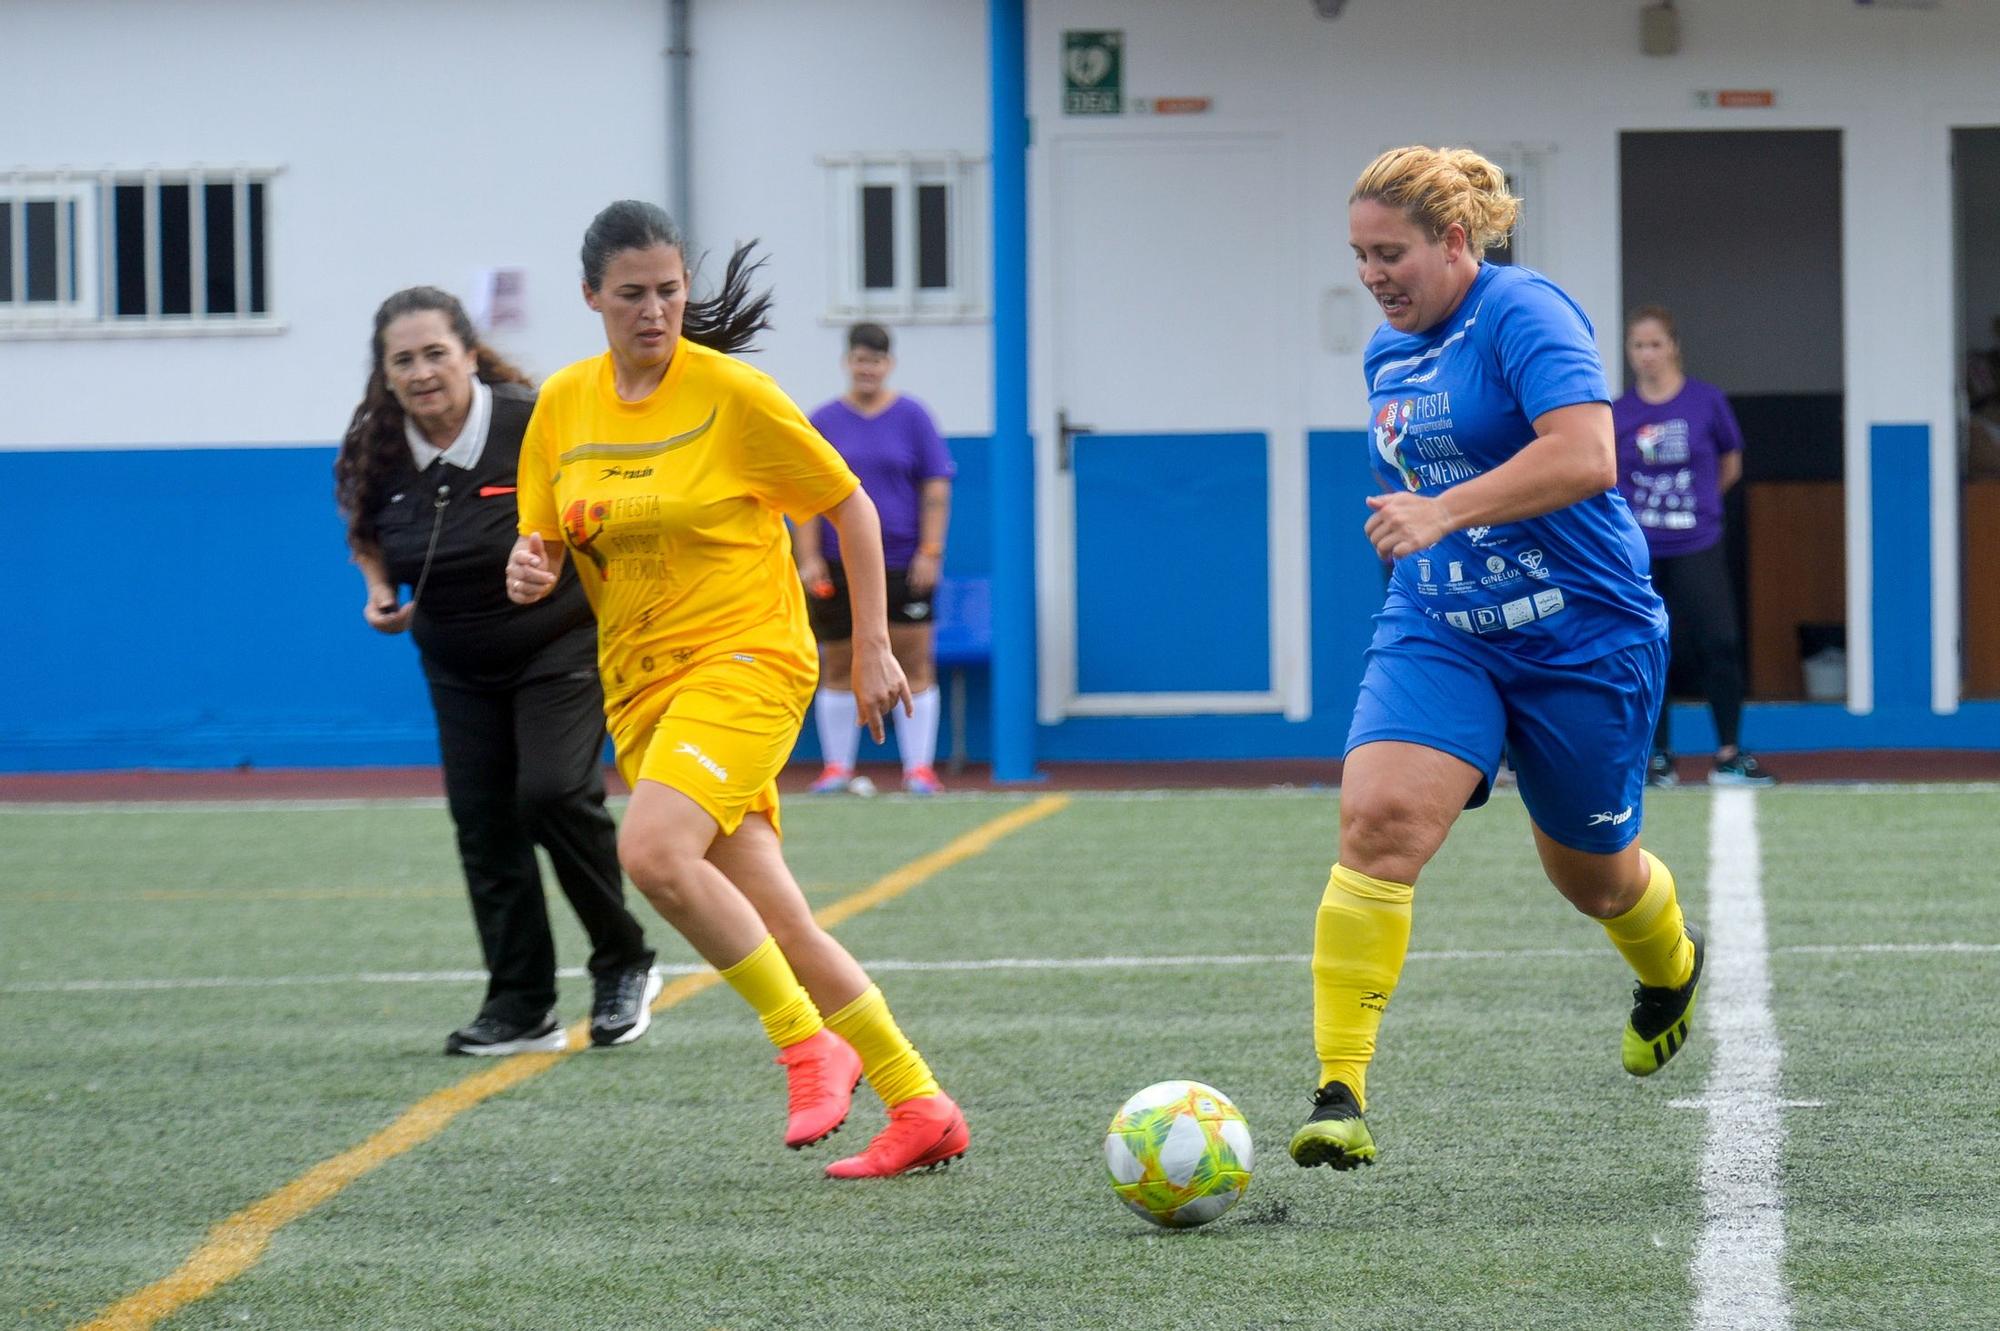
[622, 1007]
[1660, 773]
[1658, 1027]
[490, 1035]
[1335, 1135]
[1742, 770]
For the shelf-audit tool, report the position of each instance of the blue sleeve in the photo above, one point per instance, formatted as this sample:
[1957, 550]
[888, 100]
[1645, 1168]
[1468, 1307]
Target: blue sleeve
[1547, 352]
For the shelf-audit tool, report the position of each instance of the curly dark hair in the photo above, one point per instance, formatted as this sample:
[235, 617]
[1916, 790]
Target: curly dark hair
[726, 321]
[375, 442]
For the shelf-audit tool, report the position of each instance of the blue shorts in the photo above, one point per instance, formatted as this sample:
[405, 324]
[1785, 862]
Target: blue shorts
[1578, 735]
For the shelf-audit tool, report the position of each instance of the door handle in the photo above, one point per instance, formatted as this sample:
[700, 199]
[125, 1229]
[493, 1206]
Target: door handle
[1066, 430]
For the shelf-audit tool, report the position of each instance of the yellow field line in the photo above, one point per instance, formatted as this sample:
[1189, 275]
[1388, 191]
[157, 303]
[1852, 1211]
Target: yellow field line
[238, 1243]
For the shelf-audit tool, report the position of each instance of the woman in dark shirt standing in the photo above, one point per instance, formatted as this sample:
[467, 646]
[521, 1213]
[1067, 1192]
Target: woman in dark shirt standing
[425, 479]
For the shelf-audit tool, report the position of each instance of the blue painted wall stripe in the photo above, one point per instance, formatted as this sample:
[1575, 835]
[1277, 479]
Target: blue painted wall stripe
[1900, 507]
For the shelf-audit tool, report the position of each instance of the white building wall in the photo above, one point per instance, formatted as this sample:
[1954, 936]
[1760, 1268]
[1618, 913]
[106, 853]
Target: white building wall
[422, 141]
[1569, 75]
[417, 141]
[778, 84]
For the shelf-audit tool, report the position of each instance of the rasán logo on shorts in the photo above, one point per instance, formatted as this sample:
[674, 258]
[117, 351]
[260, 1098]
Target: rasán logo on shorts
[1614, 819]
[716, 769]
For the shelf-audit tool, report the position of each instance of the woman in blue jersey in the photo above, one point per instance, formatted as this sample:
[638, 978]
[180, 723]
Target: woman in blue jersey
[1519, 619]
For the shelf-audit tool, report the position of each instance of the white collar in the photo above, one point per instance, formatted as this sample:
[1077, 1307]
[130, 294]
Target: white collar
[471, 442]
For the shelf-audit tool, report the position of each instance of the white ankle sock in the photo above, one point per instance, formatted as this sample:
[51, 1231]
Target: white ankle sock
[839, 730]
[916, 734]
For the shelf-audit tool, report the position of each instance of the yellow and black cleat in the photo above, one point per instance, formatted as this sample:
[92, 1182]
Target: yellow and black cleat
[1335, 1135]
[1661, 1018]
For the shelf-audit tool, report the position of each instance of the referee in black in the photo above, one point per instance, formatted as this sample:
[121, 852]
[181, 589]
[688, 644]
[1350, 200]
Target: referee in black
[425, 480]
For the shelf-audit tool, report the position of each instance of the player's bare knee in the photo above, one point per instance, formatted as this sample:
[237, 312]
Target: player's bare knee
[1599, 897]
[1384, 835]
[663, 872]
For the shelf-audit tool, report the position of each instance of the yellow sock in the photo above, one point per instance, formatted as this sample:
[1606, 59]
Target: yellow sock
[766, 983]
[1359, 939]
[1652, 936]
[890, 1062]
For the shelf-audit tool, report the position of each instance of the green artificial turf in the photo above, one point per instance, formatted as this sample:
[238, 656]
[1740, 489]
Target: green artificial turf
[1525, 1180]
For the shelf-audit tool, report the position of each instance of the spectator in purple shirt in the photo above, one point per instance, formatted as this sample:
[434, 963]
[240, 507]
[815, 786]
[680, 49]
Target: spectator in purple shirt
[893, 445]
[1679, 450]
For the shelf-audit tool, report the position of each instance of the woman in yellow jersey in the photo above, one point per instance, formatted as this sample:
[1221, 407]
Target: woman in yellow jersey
[666, 468]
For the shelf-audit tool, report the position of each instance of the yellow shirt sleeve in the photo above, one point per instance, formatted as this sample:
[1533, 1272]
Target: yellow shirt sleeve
[787, 463]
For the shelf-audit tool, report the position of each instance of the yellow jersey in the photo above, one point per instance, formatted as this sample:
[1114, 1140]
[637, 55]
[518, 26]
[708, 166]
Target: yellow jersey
[673, 511]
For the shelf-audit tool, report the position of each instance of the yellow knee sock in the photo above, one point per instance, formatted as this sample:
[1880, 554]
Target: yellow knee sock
[766, 983]
[1652, 936]
[1359, 939]
[890, 1062]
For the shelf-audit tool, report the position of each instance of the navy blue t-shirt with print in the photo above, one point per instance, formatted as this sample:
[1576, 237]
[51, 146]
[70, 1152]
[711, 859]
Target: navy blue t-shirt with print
[1459, 399]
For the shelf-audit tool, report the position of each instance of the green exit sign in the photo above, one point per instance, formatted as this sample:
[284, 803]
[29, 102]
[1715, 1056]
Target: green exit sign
[1093, 73]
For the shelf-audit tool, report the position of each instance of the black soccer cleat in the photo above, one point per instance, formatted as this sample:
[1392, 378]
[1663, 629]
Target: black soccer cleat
[1661, 1018]
[1335, 1135]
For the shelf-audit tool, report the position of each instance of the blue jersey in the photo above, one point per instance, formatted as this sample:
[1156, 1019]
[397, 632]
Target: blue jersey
[1456, 401]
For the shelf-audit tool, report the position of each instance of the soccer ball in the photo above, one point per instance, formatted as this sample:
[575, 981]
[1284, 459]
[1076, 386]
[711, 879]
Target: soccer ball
[1179, 1154]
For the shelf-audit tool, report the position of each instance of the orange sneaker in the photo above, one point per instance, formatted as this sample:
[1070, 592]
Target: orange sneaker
[928, 1132]
[821, 1074]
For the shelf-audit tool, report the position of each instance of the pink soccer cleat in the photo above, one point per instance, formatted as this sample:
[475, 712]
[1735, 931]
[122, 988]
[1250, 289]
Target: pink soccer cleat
[820, 1074]
[928, 1132]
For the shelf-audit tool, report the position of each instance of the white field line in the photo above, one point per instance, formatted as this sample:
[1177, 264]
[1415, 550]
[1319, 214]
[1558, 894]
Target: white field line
[970, 964]
[1302, 792]
[1739, 1261]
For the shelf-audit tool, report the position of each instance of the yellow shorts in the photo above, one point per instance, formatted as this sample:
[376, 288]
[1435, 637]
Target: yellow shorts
[718, 733]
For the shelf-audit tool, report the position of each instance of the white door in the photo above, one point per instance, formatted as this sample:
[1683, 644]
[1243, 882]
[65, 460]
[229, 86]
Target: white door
[1174, 536]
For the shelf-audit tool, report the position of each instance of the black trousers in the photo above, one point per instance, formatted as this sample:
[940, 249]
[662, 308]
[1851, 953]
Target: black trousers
[523, 766]
[1701, 615]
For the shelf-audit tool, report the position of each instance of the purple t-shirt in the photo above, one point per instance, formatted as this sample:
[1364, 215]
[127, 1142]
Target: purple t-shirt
[1669, 456]
[893, 452]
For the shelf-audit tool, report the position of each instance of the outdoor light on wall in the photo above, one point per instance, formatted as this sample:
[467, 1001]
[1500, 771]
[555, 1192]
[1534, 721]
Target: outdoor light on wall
[1329, 9]
[1660, 29]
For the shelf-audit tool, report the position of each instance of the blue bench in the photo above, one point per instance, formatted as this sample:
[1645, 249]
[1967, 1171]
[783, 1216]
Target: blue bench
[962, 619]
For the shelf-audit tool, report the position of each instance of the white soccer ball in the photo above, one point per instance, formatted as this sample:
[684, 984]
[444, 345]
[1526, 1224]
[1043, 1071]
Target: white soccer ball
[1179, 1154]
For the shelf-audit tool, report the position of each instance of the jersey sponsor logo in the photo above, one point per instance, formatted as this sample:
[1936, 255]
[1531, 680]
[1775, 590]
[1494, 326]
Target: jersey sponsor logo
[1618, 819]
[1392, 425]
[1476, 534]
[1531, 560]
[579, 535]
[708, 764]
[1506, 616]
[628, 473]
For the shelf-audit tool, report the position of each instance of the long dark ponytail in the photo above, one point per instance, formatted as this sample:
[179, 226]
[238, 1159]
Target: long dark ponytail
[375, 442]
[726, 321]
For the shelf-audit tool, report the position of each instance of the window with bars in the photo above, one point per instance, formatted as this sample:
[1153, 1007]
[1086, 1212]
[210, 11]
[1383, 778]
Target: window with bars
[135, 251]
[906, 232]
